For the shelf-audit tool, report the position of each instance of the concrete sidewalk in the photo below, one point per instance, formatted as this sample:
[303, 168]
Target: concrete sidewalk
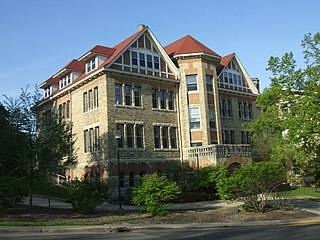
[42, 201]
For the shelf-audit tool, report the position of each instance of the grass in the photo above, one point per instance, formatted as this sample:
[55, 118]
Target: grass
[39, 188]
[305, 192]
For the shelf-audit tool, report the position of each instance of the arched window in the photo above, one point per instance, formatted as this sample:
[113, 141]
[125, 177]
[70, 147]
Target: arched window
[131, 179]
[121, 179]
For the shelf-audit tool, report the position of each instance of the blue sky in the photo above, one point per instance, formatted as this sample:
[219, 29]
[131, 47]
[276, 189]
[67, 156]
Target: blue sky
[39, 37]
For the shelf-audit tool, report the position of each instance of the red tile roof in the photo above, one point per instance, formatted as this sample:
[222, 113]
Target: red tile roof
[188, 45]
[223, 62]
[103, 50]
[76, 65]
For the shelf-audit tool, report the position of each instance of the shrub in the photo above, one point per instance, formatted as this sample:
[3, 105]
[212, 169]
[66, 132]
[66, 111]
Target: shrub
[155, 192]
[10, 196]
[86, 194]
[256, 184]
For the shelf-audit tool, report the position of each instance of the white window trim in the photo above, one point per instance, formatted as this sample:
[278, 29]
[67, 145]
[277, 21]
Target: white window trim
[145, 52]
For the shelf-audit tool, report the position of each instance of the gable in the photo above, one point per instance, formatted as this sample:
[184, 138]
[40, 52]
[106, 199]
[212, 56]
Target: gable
[233, 76]
[145, 56]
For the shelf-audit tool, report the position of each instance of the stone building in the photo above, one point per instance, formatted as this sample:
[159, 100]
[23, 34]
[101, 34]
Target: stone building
[182, 103]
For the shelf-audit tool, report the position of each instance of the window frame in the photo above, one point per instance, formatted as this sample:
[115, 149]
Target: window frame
[192, 83]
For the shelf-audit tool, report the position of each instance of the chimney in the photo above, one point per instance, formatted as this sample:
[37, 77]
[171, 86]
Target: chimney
[141, 27]
[256, 82]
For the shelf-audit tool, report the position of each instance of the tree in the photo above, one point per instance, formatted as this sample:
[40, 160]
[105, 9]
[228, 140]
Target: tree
[290, 115]
[46, 141]
[155, 192]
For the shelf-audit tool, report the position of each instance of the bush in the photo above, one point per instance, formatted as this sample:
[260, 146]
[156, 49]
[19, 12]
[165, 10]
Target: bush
[257, 184]
[10, 196]
[86, 194]
[155, 192]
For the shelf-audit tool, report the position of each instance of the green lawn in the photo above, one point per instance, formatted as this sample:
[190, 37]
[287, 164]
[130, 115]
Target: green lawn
[40, 188]
[305, 192]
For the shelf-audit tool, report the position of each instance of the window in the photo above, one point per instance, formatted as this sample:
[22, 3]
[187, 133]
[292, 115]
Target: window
[144, 60]
[131, 179]
[90, 100]
[132, 95]
[154, 98]
[129, 128]
[165, 137]
[232, 78]
[131, 135]
[66, 80]
[120, 127]
[212, 120]
[194, 117]
[245, 137]
[250, 111]
[240, 109]
[149, 61]
[121, 179]
[226, 108]
[139, 136]
[228, 137]
[134, 58]
[47, 92]
[162, 99]
[91, 65]
[192, 83]
[173, 137]
[165, 140]
[245, 110]
[137, 96]
[156, 130]
[165, 98]
[209, 83]
[156, 61]
[118, 94]
[225, 77]
[91, 139]
[170, 100]
[64, 110]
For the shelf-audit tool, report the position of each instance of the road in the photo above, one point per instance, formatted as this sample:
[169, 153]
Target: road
[282, 232]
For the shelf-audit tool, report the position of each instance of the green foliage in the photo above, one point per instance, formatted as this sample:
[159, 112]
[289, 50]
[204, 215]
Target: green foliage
[10, 196]
[86, 194]
[289, 125]
[155, 192]
[254, 183]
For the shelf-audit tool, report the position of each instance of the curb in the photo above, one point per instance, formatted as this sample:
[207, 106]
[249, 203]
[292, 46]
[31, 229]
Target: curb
[133, 227]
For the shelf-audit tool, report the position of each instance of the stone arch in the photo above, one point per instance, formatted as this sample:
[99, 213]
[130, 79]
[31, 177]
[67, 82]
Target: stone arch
[235, 160]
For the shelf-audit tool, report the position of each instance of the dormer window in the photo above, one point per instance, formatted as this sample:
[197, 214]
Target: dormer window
[145, 59]
[66, 80]
[91, 65]
[47, 91]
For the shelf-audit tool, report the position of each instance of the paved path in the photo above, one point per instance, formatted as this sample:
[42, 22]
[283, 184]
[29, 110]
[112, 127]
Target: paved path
[308, 205]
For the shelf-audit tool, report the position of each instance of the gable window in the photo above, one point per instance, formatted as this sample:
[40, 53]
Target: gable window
[209, 83]
[91, 65]
[232, 78]
[145, 60]
[192, 82]
[156, 61]
[142, 61]
[134, 58]
[194, 117]
[149, 61]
